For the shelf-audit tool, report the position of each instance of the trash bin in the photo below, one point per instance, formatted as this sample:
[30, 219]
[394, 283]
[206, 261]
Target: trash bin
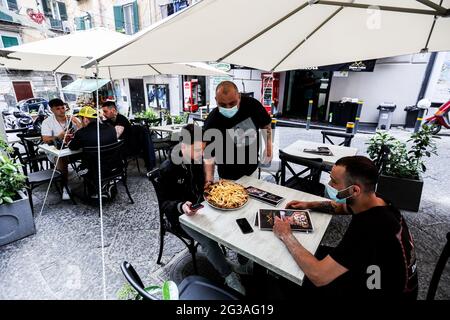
[385, 117]
[412, 113]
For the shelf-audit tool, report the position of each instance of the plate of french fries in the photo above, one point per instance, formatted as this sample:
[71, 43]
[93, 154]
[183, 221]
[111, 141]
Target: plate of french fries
[226, 195]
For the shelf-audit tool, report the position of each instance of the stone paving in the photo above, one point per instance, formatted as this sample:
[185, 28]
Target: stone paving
[63, 260]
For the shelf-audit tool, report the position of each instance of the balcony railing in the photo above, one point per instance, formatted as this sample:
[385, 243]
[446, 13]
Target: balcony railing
[55, 24]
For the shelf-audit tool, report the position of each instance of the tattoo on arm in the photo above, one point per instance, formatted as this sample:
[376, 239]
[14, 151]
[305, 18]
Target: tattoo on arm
[327, 207]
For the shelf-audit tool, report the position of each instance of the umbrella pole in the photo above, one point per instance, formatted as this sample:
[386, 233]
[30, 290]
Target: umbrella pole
[58, 87]
[100, 200]
[112, 84]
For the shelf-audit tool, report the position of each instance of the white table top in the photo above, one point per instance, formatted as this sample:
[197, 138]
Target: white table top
[12, 138]
[263, 247]
[296, 149]
[168, 128]
[55, 152]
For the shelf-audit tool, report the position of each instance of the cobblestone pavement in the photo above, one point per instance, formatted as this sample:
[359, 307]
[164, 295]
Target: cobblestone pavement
[63, 260]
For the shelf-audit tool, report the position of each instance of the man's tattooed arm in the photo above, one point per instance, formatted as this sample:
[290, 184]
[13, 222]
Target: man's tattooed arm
[329, 207]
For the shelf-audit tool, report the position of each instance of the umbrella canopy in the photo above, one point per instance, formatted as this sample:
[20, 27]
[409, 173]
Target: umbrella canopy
[66, 54]
[85, 85]
[291, 34]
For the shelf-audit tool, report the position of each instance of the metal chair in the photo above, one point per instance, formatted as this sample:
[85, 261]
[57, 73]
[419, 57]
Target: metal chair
[191, 288]
[308, 179]
[113, 167]
[347, 137]
[38, 178]
[165, 226]
[33, 159]
[437, 273]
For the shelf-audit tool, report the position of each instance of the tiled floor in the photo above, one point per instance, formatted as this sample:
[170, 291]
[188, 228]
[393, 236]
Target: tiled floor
[63, 260]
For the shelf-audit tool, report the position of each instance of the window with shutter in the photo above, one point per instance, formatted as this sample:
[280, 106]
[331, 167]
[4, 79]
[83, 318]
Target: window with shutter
[46, 8]
[135, 17]
[9, 41]
[118, 18]
[12, 5]
[62, 10]
[79, 23]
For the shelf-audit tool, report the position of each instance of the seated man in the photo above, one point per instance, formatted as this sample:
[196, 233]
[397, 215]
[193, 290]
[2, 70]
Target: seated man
[375, 257]
[54, 129]
[182, 186]
[115, 119]
[87, 136]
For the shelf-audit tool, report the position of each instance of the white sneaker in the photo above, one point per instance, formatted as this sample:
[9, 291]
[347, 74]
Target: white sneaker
[234, 282]
[244, 269]
[65, 195]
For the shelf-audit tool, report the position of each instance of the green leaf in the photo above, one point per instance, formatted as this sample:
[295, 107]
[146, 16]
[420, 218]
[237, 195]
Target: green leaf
[8, 199]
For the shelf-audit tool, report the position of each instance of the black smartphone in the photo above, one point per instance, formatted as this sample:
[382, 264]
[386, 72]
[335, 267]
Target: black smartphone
[196, 206]
[244, 225]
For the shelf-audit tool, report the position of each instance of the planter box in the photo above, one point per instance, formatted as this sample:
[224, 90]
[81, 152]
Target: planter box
[16, 220]
[403, 193]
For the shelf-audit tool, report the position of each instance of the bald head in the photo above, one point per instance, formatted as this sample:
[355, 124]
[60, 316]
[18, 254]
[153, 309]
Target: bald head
[226, 87]
[227, 95]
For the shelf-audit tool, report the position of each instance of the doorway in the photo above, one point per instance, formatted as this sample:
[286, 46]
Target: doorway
[23, 90]
[303, 86]
[137, 95]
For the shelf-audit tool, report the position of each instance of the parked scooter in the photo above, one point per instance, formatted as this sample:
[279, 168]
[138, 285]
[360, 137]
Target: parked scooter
[440, 118]
[23, 120]
[10, 120]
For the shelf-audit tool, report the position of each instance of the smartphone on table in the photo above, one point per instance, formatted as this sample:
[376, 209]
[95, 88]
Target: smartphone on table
[244, 225]
[196, 206]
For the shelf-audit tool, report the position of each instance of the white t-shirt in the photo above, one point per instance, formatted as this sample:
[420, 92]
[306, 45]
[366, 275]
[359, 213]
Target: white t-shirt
[52, 127]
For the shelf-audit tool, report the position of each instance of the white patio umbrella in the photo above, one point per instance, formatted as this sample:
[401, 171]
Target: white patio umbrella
[67, 54]
[290, 34]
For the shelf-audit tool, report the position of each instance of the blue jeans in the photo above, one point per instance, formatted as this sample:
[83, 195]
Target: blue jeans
[212, 250]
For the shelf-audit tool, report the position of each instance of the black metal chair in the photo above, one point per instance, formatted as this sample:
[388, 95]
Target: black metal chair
[113, 167]
[38, 178]
[308, 179]
[437, 273]
[347, 137]
[33, 159]
[191, 288]
[165, 226]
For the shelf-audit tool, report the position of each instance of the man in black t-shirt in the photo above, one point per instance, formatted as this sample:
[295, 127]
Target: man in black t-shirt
[238, 120]
[115, 119]
[376, 256]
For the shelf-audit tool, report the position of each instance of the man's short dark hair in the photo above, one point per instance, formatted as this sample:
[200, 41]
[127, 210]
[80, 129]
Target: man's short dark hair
[361, 170]
[191, 133]
[56, 103]
[109, 104]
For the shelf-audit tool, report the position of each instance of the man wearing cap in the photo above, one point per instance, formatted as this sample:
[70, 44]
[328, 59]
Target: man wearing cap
[87, 136]
[55, 128]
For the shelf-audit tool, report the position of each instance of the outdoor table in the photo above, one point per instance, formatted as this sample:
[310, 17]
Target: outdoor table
[170, 128]
[56, 152]
[296, 149]
[263, 247]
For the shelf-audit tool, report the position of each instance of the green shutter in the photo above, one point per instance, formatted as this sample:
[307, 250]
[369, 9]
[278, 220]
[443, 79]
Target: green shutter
[118, 18]
[5, 17]
[79, 23]
[135, 17]
[12, 5]
[62, 10]
[9, 41]
[46, 8]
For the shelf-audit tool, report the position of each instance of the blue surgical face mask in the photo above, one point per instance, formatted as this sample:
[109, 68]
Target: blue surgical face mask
[228, 112]
[333, 194]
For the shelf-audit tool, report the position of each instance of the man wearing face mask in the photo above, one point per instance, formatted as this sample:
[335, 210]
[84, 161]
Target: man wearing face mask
[375, 257]
[239, 119]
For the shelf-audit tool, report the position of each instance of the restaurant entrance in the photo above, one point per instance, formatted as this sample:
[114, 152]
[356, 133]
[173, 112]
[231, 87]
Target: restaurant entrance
[303, 86]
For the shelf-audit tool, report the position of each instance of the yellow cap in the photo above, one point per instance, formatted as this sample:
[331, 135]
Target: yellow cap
[88, 112]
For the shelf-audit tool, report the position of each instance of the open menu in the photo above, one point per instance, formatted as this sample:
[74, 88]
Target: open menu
[323, 151]
[300, 220]
[264, 196]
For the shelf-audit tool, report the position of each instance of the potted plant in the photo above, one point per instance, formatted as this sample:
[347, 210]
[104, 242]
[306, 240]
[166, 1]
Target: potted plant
[148, 115]
[180, 119]
[400, 180]
[16, 218]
